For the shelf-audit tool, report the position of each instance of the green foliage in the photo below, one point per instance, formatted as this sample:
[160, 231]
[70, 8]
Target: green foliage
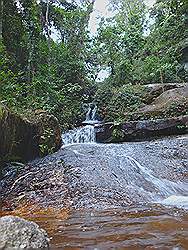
[37, 72]
[141, 53]
[117, 134]
[160, 60]
[7, 78]
[45, 140]
[120, 39]
[177, 108]
[116, 103]
[57, 75]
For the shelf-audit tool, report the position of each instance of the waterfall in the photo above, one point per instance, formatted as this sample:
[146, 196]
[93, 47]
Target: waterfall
[84, 134]
[91, 114]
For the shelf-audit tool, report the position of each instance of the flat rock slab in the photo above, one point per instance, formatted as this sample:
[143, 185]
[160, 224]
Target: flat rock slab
[96, 175]
[149, 128]
[135, 130]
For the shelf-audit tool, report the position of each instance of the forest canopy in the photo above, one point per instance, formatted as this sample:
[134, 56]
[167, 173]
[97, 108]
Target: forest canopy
[50, 61]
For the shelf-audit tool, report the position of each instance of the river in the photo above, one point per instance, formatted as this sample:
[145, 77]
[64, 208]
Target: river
[107, 196]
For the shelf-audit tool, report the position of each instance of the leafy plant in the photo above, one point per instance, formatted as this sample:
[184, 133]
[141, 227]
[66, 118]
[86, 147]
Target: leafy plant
[45, 142]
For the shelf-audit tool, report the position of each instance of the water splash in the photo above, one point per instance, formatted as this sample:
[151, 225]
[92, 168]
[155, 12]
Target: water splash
[84, 134]
[165, 186]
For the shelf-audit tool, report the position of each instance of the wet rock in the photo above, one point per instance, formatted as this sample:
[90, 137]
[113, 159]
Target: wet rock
[158, 127]
[97, 175]
[17, 233]
[27, 138]
[104, 131]
[166, 115]
[145, 129]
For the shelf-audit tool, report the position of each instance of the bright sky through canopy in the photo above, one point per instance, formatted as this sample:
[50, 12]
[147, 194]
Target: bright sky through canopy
[101, 9]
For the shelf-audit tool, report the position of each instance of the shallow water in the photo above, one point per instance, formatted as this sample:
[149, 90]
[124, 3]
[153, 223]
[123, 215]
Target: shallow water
[141, 227]
[131, 229]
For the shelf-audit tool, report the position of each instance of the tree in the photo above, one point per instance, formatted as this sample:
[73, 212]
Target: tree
[160, 59]
[49, 71]
[1, 20]
[121, 38]
[137, 57]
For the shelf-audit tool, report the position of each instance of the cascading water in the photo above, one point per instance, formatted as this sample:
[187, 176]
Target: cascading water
[122, 196]
[84, 134]
[91, 114]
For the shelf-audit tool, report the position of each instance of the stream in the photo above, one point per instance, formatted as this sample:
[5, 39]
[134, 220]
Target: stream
[88, 195]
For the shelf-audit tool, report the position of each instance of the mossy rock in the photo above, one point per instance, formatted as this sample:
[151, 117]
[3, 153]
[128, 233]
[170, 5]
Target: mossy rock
[21, 138]
[171, 103]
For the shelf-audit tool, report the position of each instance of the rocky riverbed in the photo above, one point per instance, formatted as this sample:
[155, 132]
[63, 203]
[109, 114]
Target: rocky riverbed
[130, 195]
[100, 175]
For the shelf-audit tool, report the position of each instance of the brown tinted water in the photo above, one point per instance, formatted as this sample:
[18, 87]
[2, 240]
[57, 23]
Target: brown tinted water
[141, 227]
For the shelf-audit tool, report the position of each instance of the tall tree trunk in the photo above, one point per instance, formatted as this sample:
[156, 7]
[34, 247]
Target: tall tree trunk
[84, 25]
[47, 21]
[1, 20]
[48, 34]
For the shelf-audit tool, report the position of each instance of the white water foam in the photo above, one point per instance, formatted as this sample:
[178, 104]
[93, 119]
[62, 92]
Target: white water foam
[176, 201]
[166, 187]
[84, 134]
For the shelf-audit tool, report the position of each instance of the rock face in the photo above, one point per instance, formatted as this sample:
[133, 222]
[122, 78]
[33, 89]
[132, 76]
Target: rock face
[168, 100]
[149, 128]
[17, 233]
[97, 175]
[155, 90]
[167, 114]
[25, 139]
[135, 130]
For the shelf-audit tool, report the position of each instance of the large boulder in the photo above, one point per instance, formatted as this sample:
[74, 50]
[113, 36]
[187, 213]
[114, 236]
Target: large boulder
[17, 233]
[170, 103]
[155, 90]
[167, 114]
[135, 130]
[149, 128]
[25, 139]
[166, 100]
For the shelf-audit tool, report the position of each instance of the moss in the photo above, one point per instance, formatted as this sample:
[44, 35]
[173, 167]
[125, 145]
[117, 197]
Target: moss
[117, 134]
[46, 145]
[177, 108]
[115, 104]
